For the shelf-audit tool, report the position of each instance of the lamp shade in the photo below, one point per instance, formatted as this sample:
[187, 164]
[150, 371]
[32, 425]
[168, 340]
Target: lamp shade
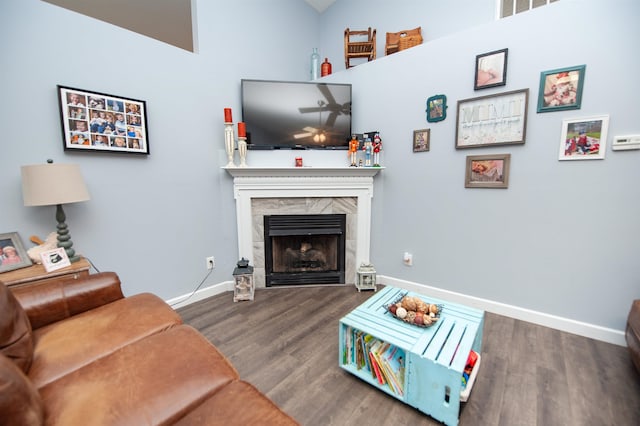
[52, 184]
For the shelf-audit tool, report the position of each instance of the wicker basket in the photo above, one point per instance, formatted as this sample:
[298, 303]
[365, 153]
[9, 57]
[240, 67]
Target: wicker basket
[409, 41]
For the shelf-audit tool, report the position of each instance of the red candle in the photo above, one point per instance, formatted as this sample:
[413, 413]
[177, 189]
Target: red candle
[227, 115]
[242, 130]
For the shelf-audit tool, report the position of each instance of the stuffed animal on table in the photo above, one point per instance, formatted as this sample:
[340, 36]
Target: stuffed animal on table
[49, 244]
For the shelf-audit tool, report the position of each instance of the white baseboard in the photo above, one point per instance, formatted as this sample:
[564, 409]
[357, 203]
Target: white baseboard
[593, 331]
[203, 293]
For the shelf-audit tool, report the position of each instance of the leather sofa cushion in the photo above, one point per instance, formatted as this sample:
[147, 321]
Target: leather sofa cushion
[20, 403]
[67, 345]
[237, 404]
[153, 381]
[16, 339]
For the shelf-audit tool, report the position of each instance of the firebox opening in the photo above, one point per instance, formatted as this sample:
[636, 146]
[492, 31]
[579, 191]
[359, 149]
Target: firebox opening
[304, 249]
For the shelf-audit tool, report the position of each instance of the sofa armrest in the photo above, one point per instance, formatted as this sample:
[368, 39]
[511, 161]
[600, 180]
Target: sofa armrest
[49, 302]
[632, 333]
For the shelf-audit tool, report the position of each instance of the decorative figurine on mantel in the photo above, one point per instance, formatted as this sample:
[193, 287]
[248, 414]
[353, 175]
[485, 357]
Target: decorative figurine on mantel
[353, 151]
[377, 147]
[368, 149]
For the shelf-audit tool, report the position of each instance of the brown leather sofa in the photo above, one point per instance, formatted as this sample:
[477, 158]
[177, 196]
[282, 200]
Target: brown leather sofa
[632, 333]
[78, 352]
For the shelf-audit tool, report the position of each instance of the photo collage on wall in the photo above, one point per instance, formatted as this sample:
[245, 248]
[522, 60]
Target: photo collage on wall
[99, 122]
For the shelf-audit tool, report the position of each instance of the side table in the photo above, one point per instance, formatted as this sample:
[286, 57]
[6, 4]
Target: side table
[37, 274]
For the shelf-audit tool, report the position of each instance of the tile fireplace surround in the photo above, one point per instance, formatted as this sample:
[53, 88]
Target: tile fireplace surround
[260, 191]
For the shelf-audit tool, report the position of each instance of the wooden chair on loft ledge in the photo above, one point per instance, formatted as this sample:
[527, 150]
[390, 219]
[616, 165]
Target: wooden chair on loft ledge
[359, 44]
[402, 40]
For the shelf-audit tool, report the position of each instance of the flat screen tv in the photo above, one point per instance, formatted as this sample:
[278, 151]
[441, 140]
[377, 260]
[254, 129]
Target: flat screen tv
[296, 115]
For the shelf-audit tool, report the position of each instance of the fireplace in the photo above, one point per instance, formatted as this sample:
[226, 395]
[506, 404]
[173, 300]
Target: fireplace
[262, 191]
[304, 249]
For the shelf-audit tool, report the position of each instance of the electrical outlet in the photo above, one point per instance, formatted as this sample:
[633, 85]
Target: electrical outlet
[408, 259]
[211, 262]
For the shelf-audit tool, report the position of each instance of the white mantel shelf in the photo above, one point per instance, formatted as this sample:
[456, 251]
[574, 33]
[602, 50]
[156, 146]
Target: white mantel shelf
[302, 171]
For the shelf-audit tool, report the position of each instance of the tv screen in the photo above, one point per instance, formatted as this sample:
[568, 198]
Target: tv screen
[296, 115]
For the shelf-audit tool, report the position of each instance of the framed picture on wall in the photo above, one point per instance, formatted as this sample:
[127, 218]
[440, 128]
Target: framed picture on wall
[436, 108]
[561, 89]
[499, 119]
[98, 122]
[584, 138]
[487, 171]
[421, 140]
[12, 252]
[491, 69]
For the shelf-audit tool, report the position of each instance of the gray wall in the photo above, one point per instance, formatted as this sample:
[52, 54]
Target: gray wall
[152, 219]
[561, 240]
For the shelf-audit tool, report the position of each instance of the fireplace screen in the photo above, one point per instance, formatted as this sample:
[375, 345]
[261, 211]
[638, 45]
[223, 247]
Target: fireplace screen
[304, 249]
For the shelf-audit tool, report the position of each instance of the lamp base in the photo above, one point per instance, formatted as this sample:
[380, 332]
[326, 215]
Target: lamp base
[64, 238]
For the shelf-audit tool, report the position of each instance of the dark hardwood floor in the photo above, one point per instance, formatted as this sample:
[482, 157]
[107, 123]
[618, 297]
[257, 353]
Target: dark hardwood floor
[285, 342]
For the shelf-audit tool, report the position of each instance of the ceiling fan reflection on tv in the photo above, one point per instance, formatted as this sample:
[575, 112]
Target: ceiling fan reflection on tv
[334, 108]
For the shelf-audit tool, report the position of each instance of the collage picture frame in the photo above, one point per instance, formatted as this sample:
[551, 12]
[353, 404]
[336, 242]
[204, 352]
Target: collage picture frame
[99, 122]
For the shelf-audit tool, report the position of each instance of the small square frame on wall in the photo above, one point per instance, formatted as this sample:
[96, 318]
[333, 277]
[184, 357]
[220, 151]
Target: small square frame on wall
[561, 89]
[12, 259]
[421, 140]
[487, 171]
[93, 121]
[584, 138]
[491, 69]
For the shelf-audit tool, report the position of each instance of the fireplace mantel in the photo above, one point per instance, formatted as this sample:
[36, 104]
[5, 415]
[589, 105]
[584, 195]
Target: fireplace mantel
[300, 182]
[302, 171]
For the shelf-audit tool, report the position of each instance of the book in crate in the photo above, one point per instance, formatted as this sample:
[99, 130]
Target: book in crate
[383, 361]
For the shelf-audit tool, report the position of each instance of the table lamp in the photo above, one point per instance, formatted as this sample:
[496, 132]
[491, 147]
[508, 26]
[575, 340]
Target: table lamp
[55, 184]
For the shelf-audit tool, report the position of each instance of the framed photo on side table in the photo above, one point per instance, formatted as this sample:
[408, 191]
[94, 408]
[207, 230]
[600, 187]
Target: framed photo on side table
[499, 119]
[54, 259]
[487, 171]
[421, 140]
[93, 121]
[561, 89]
[12, 253]
[584, 138]
[491, 69]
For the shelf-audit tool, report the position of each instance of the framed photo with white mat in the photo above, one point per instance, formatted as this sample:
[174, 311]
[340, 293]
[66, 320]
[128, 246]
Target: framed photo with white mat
[55, 259]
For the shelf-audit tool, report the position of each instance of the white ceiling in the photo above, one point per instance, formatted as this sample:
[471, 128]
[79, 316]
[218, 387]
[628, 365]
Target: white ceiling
[320, 5]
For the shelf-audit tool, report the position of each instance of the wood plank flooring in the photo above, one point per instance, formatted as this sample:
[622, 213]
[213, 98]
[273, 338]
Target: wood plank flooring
[285, 342]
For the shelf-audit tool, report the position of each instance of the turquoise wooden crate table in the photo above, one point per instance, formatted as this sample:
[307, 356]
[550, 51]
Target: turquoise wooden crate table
[421, 366]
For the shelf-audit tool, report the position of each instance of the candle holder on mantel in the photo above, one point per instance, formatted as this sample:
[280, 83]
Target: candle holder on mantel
[229, 143]
[242, 150]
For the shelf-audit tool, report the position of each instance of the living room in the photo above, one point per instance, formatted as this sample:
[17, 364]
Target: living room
[554, 248]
